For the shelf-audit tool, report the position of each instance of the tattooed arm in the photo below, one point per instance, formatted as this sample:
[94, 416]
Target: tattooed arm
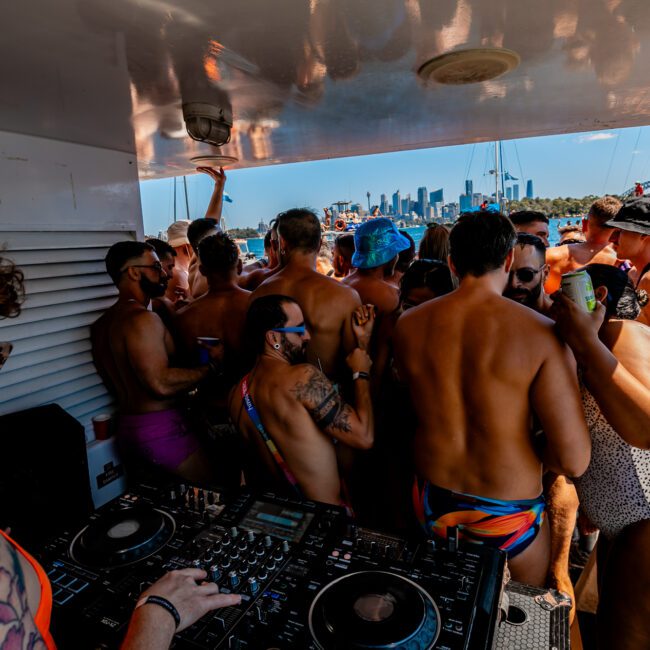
[17, 628]
[353, 426]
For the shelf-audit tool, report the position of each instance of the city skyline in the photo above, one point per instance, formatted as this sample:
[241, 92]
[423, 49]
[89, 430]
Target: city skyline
[573, 165]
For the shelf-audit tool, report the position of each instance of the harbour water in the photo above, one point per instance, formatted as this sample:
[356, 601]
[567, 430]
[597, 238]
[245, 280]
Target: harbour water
[256, 245]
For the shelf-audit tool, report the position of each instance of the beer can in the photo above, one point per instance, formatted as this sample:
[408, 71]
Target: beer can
[578, 287]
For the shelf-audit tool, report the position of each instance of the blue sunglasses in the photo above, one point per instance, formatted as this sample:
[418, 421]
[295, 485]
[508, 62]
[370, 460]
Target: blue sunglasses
[299, 329]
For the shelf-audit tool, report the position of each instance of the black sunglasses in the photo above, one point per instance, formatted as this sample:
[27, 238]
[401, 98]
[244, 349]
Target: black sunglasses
[525, 274]
[157, 266]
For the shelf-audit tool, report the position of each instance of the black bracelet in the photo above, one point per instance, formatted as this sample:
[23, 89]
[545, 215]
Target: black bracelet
[165, 604]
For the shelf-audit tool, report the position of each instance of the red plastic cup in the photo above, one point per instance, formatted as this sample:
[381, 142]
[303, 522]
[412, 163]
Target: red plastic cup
[102, 426]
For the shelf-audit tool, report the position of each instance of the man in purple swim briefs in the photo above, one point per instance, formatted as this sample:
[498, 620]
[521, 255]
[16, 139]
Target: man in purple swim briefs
[131, 348]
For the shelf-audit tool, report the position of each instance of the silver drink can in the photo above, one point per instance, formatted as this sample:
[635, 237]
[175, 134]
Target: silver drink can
[578, 287]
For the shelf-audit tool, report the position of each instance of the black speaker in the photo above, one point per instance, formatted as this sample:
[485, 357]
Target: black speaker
[44, 483]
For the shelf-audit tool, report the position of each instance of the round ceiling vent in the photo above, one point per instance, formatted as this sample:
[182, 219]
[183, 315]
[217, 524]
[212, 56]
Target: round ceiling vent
[469, 66]
[214, 160]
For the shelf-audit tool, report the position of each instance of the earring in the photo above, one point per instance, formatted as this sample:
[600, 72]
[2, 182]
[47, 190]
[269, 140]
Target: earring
[276, 346]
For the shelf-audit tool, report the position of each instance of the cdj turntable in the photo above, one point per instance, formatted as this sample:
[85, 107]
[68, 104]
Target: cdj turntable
[309, 577]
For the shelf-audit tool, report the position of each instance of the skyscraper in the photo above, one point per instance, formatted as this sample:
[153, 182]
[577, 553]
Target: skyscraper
[529, 189]
[423, 200]
[405, 207]
[465, 201]
[469, 188]
[515, 192]
[383, 205]
[397, 203]
[509, 193]
[436, 197]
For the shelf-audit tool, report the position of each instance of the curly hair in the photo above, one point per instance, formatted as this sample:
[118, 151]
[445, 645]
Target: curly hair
[12, 289]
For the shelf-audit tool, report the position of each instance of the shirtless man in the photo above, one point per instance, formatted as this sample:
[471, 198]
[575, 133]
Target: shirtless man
[526, 286]
[131, 349]
[596, 249]
[528, 274]
[253, 279]
[342, 252]
[326, 304]
[199, 229]
[631, 241]
[474, 396]
[219, 313]
[289, 412]
[377, 244]
[532, 222]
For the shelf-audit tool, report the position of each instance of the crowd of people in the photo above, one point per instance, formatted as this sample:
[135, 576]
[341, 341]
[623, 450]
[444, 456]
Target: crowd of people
[452, 389]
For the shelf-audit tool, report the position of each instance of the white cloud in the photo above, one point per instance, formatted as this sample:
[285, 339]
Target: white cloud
[593, 137]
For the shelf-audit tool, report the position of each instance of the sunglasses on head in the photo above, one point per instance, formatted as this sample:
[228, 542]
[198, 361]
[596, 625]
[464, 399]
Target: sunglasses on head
[525, 274]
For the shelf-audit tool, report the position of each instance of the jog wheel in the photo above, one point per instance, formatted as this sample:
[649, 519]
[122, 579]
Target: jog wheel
[373, 609]
[117, 539]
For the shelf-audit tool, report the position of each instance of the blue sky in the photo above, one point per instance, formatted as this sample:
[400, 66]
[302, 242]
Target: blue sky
[564, 165]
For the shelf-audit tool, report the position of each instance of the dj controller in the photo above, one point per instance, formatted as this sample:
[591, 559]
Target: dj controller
[309, 578]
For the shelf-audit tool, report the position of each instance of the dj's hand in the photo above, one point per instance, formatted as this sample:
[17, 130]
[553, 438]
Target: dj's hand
[192, 600]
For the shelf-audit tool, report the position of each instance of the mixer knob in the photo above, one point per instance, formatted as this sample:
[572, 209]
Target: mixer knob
[268, 542]
[262, 574]
[373, 547]
[270, 565]
[251, 561]
[388, 551]
[243, 544]
[253, 585]
[250, 536]
[197, 564]
[277, 556]
[243, 570]
[285, 546]
[259, 551]
[234, 531]
[208, 558]
[225, 563]
[215, 573]
[234, 554]
[233, 579]
[431, 546]
[225, 540]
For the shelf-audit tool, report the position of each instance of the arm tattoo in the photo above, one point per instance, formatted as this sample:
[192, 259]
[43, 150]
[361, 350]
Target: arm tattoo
[323, 402]
[17, 628]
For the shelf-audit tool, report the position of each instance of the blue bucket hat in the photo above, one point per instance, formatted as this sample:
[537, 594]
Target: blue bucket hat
[376, 242]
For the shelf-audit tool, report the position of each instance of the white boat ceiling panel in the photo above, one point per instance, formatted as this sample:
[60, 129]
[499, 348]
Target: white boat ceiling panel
[311, 79]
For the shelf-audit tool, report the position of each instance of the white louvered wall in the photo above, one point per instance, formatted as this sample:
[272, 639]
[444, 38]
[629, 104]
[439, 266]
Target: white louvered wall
[61, 207]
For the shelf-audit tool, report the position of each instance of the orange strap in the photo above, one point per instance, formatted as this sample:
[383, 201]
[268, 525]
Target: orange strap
[44, 612]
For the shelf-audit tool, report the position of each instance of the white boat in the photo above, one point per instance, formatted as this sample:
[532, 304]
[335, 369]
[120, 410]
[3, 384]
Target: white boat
[93, 95]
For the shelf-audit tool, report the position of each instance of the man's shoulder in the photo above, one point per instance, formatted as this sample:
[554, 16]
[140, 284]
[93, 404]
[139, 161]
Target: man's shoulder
[557, 254]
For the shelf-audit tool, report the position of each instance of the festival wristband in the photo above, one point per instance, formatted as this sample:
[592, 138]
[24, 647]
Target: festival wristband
[360, 375]
[161, 602]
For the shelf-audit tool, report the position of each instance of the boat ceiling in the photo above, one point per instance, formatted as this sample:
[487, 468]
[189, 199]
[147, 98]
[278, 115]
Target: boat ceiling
[313, 79]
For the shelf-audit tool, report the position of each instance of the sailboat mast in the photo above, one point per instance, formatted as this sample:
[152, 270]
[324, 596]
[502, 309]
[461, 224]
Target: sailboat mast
[174, 178]
[496, 171]
[187, 203]
[503, 180]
